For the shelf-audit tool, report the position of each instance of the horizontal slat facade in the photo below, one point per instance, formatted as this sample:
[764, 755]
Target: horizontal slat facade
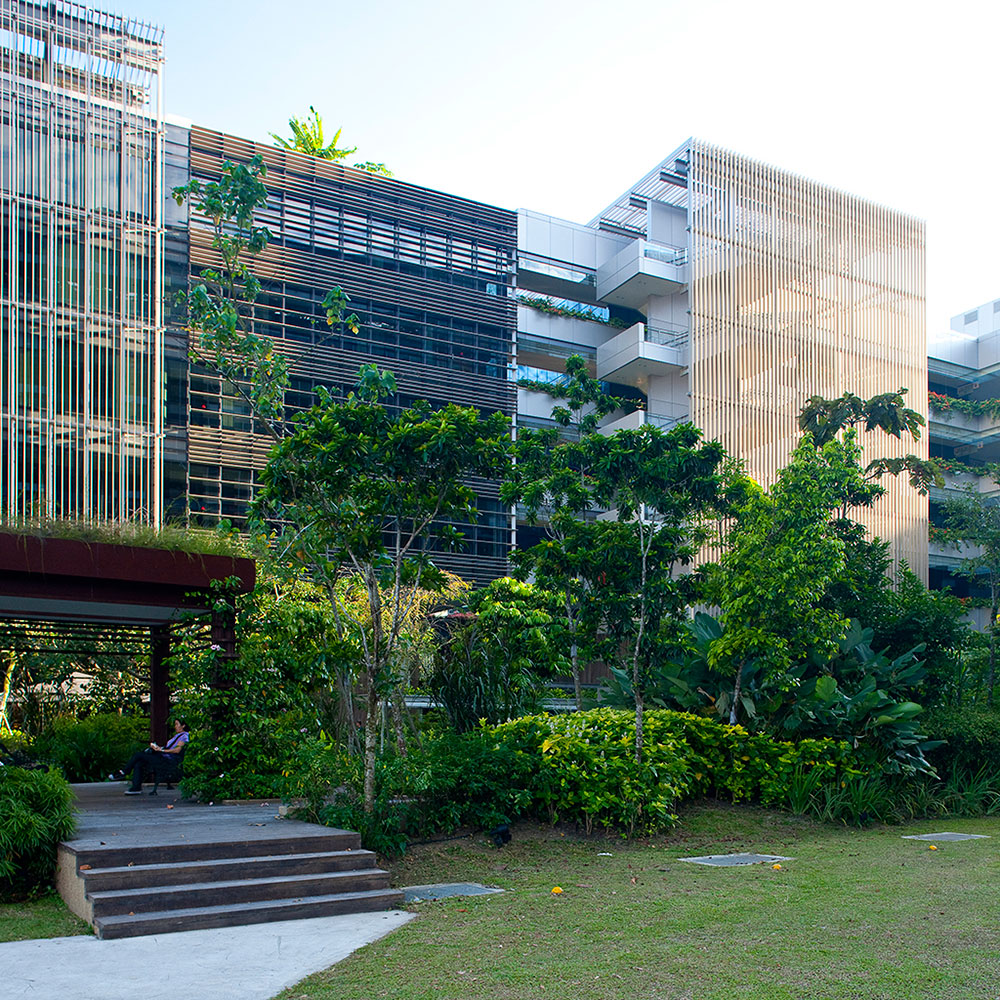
[430, 277]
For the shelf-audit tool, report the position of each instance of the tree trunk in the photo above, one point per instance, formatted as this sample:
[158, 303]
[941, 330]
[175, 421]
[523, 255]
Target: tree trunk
[396, 707]
[5, 691]
[574, 655]
[736, 695]
[991, 675]
[637, 693]
[371, 734]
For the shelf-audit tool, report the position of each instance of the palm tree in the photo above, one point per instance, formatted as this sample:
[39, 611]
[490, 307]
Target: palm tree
[307, 137]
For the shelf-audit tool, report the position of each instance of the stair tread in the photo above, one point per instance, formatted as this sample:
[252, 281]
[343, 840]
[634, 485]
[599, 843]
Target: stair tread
[207, 862]
[234, 883]
[266, 904]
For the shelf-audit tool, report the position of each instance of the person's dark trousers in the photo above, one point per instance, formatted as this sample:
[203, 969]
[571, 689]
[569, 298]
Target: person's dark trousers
[138, 764]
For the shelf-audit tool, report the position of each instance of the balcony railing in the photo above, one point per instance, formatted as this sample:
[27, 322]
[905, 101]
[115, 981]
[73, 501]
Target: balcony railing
[667, 335]
[666, 255]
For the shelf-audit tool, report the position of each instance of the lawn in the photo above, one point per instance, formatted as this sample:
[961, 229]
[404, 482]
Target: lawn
[46, 917]
[858, 914]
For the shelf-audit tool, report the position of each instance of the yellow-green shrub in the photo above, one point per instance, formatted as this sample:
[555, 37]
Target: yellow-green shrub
[585, 769]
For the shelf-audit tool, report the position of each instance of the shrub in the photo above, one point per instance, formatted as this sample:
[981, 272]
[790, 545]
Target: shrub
[249, 763]
[971, 738]
[89, 749]
[35, 814]
[578, 768]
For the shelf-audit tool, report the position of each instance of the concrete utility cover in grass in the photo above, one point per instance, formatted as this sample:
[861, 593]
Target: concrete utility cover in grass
[947, 836]
[428, 893]
[729, 860]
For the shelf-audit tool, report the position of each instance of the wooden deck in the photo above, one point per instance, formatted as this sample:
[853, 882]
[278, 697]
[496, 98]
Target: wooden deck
[148, 864]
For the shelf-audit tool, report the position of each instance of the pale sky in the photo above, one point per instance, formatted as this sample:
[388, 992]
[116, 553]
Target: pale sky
[559, 106]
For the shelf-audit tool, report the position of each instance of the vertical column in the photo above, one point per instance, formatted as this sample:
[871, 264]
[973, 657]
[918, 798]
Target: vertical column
[159, 682]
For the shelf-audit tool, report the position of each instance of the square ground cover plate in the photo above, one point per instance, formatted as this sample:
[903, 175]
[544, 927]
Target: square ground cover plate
[729, 860]
[947, 836]
[428, 893]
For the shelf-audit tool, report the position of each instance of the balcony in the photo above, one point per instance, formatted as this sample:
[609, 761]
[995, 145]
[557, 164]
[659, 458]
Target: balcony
[639, 271]
[635, 354]
[636, 419]
[969, 434]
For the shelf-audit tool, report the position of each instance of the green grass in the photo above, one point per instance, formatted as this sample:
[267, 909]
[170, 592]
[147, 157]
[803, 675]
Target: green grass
[174, 538]
[45, 917]
[858, 914]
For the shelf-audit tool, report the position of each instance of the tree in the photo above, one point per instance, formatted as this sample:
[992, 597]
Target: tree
[972, 522]
[307, 137]
[356, 489]
[780, 557]
[552, 479]
[824, 419]
[493, 660]
[220, 307]
[659, 486]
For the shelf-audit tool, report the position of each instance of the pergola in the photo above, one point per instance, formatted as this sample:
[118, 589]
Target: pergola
[99, 592]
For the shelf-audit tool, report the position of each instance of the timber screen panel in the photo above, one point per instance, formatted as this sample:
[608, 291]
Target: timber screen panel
[799, 289]
[430, 276]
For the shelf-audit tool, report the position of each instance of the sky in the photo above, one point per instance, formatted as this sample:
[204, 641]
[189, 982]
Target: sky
[560, 106]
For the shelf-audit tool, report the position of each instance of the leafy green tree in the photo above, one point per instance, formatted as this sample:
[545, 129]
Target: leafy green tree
[307, 137]
[248, 715]
[493, 661]
[973, 523]
[825, 419]
[780, 557]
[902, 612]
[221, 306]
[659, 486]
[552, 479]
[356, 488]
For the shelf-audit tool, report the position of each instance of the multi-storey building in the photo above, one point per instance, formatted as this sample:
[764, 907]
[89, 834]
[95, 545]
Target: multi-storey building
[727, 292]
[964, 427]
[715, 289]
[430, 276]
[80, 237]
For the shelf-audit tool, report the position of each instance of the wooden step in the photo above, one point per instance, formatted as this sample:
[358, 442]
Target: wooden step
[236, 891]
[121, 857]
[196, 918]
[226, 869]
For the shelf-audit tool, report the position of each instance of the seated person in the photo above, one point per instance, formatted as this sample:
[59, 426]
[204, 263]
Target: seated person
[153, 757]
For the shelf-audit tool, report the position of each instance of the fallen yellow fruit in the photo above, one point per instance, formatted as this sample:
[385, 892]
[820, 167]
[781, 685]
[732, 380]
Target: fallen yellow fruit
[777, 868]
[556, 890]
[931, 848]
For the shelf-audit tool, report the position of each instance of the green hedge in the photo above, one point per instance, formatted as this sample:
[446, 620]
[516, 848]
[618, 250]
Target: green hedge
[36, 812]
[971, 735]
[92, 748]
[585, 771]
[577, 768]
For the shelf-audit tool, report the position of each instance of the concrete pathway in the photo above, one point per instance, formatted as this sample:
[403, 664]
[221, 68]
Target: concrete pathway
[228, 963]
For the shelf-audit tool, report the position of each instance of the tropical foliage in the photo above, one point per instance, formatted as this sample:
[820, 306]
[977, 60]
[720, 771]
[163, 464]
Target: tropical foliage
[307, 137]
[36, 812]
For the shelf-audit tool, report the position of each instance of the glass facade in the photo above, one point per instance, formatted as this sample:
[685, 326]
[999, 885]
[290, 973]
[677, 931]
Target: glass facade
[80, 136]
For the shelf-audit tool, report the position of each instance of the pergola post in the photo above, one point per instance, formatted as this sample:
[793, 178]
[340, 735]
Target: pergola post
[159, 682]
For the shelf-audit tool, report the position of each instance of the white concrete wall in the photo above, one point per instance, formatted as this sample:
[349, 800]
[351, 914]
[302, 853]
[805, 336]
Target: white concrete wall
[669, 310]
[667, 395]
[565, 241]
[666, 224]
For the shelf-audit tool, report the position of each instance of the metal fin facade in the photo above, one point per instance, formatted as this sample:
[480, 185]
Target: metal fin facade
[80, 242]
[799, 289]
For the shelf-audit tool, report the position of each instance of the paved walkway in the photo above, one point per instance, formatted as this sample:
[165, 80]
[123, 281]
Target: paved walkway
[230, 963]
